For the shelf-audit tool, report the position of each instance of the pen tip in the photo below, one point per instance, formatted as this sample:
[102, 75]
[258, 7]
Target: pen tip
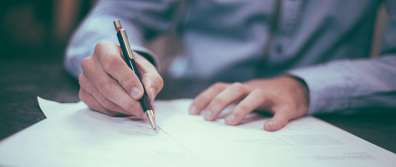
[151, 119]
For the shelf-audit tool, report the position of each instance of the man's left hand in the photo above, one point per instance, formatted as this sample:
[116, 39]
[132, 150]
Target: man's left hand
[284, 96]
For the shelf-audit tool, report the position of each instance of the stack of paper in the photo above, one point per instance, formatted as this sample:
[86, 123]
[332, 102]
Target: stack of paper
[72, 135]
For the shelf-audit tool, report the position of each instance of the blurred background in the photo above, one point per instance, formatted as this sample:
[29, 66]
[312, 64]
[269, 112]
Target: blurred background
[42, 28]
[38, 25]
[33, 36]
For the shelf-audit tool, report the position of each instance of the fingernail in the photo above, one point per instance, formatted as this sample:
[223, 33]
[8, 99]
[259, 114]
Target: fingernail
[230, 119]
[135, 93]
[193, 110]
[207, 114]
[268, 125]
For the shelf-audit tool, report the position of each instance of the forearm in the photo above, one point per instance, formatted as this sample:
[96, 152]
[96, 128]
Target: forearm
[349, 84]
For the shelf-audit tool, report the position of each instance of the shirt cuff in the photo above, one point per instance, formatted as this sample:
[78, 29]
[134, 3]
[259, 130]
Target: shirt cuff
[327, 88]
[146, 54]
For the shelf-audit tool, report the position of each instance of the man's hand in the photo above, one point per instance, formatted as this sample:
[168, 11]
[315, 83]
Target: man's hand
[284, 96]
[108, 85]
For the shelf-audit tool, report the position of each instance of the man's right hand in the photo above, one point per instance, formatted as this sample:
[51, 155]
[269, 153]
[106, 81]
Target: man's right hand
[109, 86]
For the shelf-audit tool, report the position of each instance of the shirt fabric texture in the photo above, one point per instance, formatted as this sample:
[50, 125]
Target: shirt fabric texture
[326, 43]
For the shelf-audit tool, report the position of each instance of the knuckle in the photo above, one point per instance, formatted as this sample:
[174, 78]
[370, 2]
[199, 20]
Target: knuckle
[239, 87]
[219, 101]
[203, 97]
[258, 92]
[153, 81]
[111, 63]
[242, 108]
[159, 82]
[86, 63]
[101, 45]
[105, 49]
[219, 85]
[198, 102]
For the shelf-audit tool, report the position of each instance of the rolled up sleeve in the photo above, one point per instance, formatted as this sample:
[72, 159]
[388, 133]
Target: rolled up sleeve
[142, 20]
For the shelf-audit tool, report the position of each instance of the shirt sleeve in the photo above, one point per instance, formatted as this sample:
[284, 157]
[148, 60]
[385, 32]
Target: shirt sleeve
[142, 20]
[351, 84]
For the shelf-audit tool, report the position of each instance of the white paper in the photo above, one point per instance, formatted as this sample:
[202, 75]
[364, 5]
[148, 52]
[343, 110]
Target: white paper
[72, 135]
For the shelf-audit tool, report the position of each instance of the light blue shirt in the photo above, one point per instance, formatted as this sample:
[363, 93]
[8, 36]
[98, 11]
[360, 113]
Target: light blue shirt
[324, 42]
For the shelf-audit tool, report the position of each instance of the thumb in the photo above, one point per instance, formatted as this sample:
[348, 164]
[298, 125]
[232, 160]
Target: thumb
[278, 121]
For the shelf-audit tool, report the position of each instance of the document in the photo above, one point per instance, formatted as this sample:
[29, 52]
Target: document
[73, 135]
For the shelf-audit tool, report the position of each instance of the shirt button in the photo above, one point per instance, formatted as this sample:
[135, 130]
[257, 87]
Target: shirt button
[278, 48]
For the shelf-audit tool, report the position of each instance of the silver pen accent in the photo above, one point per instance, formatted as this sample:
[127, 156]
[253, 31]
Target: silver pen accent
[151, 118]
[129, 58]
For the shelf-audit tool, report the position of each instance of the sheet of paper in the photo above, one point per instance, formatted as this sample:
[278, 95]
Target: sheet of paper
[72, 135]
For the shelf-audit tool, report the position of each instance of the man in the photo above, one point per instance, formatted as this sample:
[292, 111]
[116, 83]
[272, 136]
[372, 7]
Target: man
[297, 57]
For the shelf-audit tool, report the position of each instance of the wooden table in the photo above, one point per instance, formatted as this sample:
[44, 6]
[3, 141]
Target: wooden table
[42, 74]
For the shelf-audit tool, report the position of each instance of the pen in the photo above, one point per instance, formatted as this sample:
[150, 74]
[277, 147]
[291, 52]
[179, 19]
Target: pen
[129, 57]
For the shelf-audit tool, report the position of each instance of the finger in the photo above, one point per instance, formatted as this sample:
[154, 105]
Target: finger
[153, 84]
[90, 101]
[203, 99]
[108, 105]
[253, 101]
[109, 88]
[152, 80]
[109, 56]
[228, 96]
[278, 121]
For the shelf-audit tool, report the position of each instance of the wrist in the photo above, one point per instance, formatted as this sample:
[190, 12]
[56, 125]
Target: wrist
[301, 88]
[146, 54]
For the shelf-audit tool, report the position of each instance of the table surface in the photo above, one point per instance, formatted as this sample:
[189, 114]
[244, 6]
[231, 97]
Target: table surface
[24, 78]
